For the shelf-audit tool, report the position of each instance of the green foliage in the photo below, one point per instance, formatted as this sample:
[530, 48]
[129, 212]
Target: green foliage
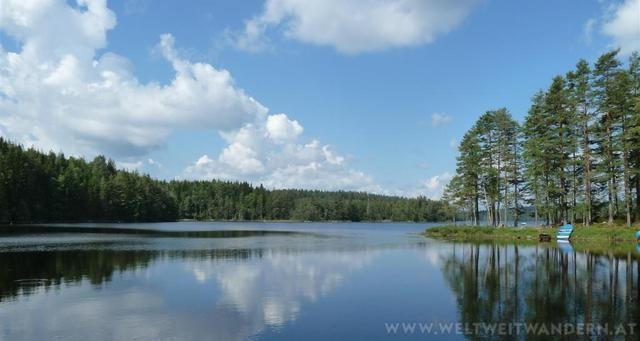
[575, 159]
[38, 187]
[487, 169]
[219, 200]
[485, 233]
[597, 232]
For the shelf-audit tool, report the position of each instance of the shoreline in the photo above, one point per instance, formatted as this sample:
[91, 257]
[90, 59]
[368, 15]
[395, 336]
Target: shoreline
[596, 233]
[73, 222]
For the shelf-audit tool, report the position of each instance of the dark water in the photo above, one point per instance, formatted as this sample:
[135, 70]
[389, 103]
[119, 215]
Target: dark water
[289, 281]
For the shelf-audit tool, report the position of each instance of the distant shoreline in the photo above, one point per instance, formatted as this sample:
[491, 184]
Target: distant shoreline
[214, 221]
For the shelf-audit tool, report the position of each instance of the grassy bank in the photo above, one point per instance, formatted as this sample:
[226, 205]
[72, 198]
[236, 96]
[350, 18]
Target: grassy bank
[595, 233]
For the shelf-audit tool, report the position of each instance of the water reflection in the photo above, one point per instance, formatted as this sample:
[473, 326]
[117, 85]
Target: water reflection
[232, 294]
[536, 284]
[344, 284]
[272, 292]
[23, 273]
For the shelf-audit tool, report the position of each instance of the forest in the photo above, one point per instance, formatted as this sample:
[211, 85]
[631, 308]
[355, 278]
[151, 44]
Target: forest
[576, 157]
[49, 187]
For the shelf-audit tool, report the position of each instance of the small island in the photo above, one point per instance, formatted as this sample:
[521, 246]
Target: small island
[573, 159]
[594, 233]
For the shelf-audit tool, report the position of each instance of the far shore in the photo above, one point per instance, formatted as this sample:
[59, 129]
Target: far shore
[80, 222]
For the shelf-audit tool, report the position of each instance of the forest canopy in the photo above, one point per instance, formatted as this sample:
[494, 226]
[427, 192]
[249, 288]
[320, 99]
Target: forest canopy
[49, 187]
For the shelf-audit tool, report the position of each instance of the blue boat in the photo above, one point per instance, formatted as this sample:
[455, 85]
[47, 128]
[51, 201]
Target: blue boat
[638, 235]
[565, 232]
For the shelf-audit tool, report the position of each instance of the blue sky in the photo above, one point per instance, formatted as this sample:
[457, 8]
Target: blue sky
[370, 91]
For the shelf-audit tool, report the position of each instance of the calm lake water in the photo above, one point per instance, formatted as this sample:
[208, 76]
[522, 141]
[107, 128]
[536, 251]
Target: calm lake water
[298, 281]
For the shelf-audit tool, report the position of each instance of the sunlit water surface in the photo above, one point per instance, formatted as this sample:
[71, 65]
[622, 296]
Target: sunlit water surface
[291, 281]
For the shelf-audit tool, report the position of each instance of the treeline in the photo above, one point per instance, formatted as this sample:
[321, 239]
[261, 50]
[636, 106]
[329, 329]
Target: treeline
[576, 158]
[39, 187]
[241, 201]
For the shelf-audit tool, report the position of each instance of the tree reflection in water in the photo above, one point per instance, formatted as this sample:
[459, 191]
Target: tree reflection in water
[24, 273]
[538, 284]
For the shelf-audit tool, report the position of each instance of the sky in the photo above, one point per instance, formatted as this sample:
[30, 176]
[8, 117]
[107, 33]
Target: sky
[366, 95]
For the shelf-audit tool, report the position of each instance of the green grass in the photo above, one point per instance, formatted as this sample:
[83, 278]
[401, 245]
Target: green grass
[596, 233]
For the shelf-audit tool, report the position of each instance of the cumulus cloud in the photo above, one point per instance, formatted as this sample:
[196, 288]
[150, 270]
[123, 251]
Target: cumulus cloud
[354, 26]
[623, 26]
[438, 119]
[431, 187]
[57, 92]
[434, 186]
[281, 129]
[273, 153]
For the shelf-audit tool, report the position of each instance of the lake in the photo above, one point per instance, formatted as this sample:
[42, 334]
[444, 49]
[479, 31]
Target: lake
[295, 281]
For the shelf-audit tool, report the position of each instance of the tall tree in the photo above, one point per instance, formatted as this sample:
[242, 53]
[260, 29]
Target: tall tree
[605, 71]
[634, 124]
[623, 106]
[561, 139]
[487, 166]
[468, 168]
[580, 94]
[537, 147]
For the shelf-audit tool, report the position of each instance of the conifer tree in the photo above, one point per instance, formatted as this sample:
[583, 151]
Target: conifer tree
[608, 127]
[580, 95]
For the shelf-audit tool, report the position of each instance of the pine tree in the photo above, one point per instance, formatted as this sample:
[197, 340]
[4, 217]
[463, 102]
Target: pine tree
[468, 167]
[537, 165]
[580, 94]
[633, 131]
[607, 133]
[560, 137]
[623, 107]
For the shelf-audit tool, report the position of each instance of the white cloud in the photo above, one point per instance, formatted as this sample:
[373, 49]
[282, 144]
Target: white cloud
[623, 26]
[241, 158]
[434, 186]
[438, 119]
[431, 188]
[58, 92]
[281, 129]
[355, 26]
[152, 162]
[271, 152]
[130, 165]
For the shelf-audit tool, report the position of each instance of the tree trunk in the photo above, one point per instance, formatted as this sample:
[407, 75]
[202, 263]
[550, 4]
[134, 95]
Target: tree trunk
[476, 210]
[574, 189]
[547, 203]
[611, 176]
[586, 151]
[505, 216]
[516, 214]
[563, 176]
[626, 172]
[638, 190]
[610, 193]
